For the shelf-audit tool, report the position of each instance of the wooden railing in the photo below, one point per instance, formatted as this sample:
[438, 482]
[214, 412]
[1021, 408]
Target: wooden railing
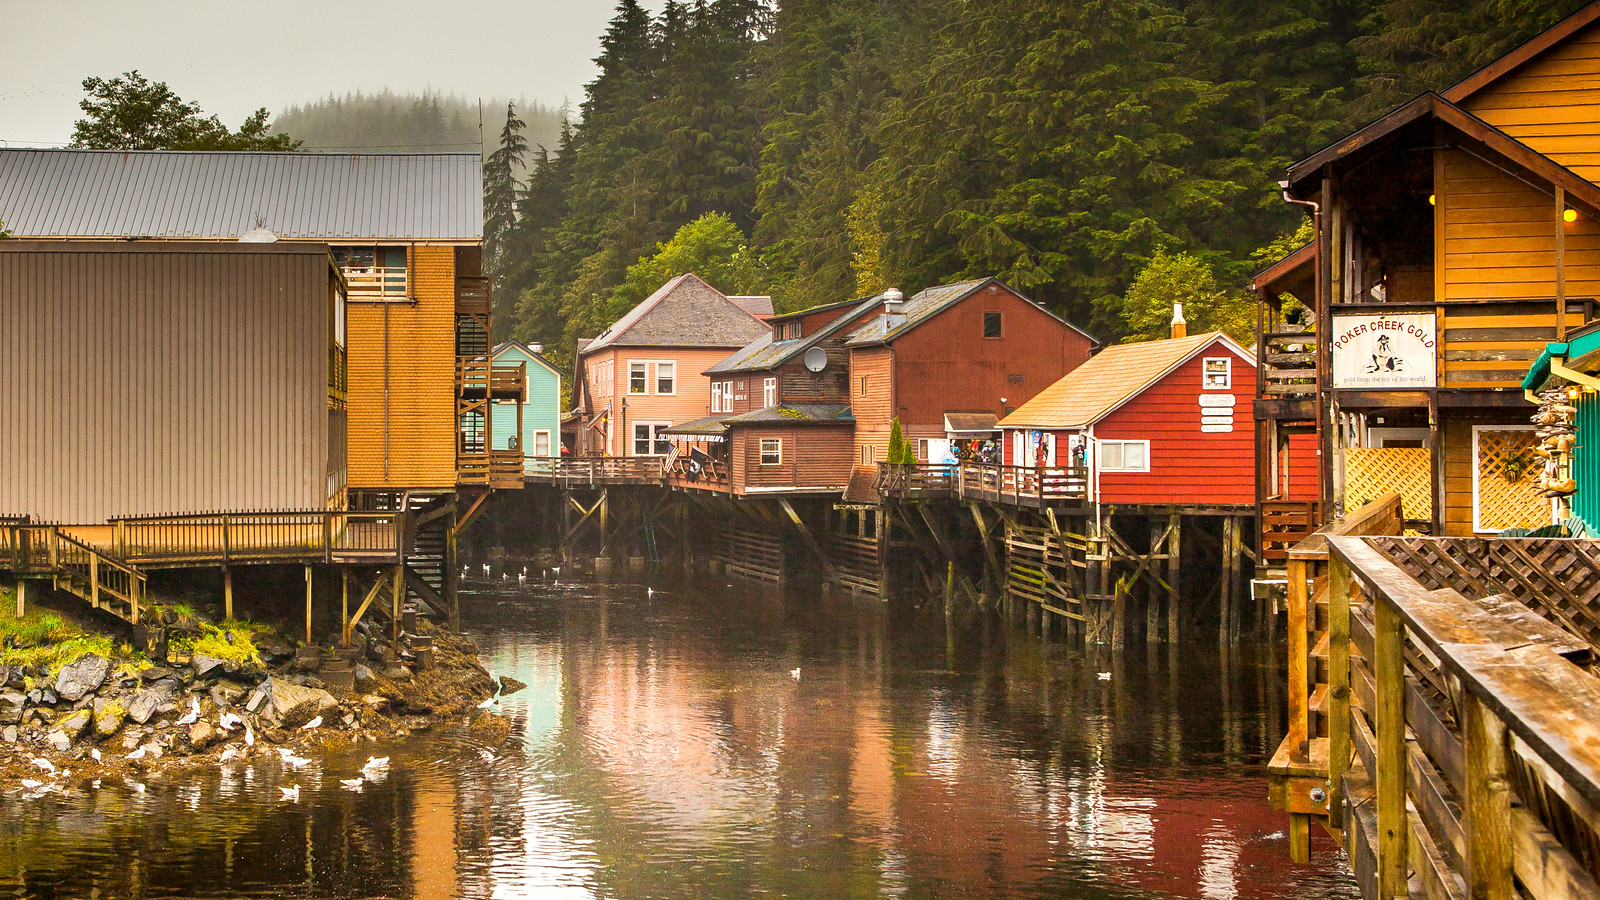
[1289, 366]
[106, 582]
[713, 475]
[595, 470]
[26, 549]
[381, 284]
[499, 469]
[1465, 748]
[223, 538]
[472, 295]
[1013, 485]
[1300, 764]
[478, 378]
[1285, 523]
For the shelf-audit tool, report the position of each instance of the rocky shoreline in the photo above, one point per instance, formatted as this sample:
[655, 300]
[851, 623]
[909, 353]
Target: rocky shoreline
[101, 717]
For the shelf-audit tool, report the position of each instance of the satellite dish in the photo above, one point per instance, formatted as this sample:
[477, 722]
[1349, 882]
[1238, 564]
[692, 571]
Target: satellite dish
[816, 359]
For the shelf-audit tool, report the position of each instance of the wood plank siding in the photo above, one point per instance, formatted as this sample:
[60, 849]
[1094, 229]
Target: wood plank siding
[872, 401]
[147, 378]
[1552, 103]
[691, 397]
[402, 381]
[812, 456]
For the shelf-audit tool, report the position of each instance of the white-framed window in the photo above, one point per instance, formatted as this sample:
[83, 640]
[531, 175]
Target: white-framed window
[638, 377]
[863, 391]
[648, 439]
[541, 442]
[772, 451]
[716, 396]
[922, 450]
[1124, 456]
[868, 454]
[666, 378]
[769, 392]
[1217, 373]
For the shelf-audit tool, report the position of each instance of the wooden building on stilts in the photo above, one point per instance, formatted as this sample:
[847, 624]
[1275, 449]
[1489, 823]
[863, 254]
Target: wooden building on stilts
[403, 354]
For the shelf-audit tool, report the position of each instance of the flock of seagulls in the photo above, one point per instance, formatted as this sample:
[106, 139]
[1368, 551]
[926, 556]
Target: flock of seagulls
[553, 573]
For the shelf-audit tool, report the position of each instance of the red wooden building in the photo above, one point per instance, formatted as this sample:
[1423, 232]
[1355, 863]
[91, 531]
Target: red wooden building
[1156, 423]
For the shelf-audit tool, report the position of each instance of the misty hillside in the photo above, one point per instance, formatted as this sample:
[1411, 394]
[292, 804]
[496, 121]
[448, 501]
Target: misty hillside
[397, 123]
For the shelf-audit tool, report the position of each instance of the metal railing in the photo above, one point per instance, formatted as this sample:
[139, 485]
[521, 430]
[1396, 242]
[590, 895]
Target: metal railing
[1462, 742]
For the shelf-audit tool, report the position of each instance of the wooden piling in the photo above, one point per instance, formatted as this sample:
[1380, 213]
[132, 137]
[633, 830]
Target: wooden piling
[308, 605]
[227, 592]
[1174, 563]
[22, 595]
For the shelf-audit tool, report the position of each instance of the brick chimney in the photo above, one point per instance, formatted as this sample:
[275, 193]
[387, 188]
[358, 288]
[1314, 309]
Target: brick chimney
[1180, 328]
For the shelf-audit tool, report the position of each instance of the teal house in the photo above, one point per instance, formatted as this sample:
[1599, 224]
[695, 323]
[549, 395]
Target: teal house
[541, 412]
[1565, 383]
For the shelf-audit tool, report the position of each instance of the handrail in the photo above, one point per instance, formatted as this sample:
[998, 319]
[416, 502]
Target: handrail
[254, 536]
[1523, 732]
[984, 481]
[377, 284]
[596, 469]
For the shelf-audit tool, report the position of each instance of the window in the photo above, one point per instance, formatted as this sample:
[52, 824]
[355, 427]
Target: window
[863, 386]
[374, 274]
[716, 396]
[868, 454]
[769, 392]
[922, 450]
[1124, 456]
[727, 396]
[666, 378]
[636, 378]
[771, 451]
[991, 325]
[648, 439]
[1218, 373]
[541, 443]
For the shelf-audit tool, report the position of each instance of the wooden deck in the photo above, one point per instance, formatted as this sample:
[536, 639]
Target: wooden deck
[595, 471]
[1034, 488]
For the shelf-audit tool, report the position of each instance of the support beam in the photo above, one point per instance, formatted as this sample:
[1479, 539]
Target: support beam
[227, 592]
[308, 605]
[811, 541]
[377, 587]
[22, 595]
[396, 603]
[344, 605]
[1487, 812]
[1174, 564]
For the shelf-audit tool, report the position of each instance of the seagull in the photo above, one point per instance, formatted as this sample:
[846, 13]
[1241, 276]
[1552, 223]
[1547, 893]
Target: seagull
[795, 673]
[228, 721]
[505, 576]
[43, 764]
[290, 759]
[249, 736]
[486, 755]
[291, 793]
[30, 784]
[138, 787]
[523, 578]
[313, 724]
[376, 764]
[193, 715]
[94, 754]
[137, 754]
[1105, 676]
[464, 571]
[352, 784]
[649, 592]
[486, 704]
[227, 754]
[486, 570]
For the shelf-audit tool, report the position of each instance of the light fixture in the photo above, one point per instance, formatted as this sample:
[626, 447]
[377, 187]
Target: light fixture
[1433, 200]
[1569, 215]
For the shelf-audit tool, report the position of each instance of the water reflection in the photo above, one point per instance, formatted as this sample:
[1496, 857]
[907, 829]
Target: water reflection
[664, 749]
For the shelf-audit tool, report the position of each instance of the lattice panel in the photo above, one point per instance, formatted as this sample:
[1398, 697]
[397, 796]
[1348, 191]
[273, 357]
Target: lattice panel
[1508, 482]
[1371, 472]
[1558, 578]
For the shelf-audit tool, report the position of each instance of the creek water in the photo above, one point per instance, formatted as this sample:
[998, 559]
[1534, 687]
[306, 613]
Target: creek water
[709, 741]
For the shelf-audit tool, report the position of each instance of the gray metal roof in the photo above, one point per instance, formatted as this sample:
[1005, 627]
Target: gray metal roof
[303, 196]
[795, 414]
[929, 303]
[764, 353]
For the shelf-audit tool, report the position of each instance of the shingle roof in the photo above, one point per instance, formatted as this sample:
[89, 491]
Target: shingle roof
[299, 196]
[764, 353]
[1109, 379]
[684, 312]
[759, 306]
[929, 303]
[707, 425]
[796, 414]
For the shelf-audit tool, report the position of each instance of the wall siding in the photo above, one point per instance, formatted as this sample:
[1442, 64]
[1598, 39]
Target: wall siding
[1552, 103]
[418, 419]
[874, 410]
[162, 378]
[814, 456]
[541, 410]
[692, 399]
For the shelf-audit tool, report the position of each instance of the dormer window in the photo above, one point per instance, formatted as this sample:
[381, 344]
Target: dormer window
[786, 331]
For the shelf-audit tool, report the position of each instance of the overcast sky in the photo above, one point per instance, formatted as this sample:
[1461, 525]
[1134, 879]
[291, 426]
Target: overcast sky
[233, 57]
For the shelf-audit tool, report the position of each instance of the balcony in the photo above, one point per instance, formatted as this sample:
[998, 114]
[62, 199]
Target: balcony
[377, 284]
[473, 295]
[477, 379]
[495, 469]
[1032, 487]
[712, 475]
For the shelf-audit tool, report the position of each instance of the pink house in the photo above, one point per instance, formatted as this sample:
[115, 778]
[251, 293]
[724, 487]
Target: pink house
[643, 374]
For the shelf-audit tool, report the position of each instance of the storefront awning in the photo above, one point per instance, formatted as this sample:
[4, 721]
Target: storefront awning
[970, 423]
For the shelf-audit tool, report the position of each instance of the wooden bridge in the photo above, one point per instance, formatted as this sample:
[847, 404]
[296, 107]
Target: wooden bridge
[1450, 735]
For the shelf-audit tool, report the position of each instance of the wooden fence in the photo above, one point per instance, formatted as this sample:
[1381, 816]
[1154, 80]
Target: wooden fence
[326, 536]
[581, 471]
[1465, 742]
[1033, 487]
[1285, 523]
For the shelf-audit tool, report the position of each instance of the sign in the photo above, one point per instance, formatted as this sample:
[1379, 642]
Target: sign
[1216, 429]
[1218, 400]
[1384, 351]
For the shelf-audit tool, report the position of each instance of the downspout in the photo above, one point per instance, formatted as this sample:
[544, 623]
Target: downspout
[1324, 450]
[385, 389]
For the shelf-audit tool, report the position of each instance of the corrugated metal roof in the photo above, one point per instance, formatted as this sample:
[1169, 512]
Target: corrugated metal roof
[764, 353]
[304, 196]
[930, 302]
[1111, 378]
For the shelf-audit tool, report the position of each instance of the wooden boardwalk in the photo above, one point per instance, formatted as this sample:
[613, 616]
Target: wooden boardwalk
[1023, 486]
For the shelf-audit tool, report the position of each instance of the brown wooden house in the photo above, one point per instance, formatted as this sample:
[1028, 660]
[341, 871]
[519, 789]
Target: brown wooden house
[957, 356]
[1456, 236]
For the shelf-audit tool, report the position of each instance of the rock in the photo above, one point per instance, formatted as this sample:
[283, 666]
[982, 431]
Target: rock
[509, 685]
[108, 716]
[226, 693]
[364, 676]
[12, 705]
[131, 740]
[9, 734]
[398, 673]
[156, 673]
[292, 704]
[273, 648]
[83, 676]
[143, 706]
[58, 741]
[205, 666]
[203, 734]
[75, 723]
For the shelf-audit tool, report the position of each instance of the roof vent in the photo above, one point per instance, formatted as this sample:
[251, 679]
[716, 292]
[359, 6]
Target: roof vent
[258, 236]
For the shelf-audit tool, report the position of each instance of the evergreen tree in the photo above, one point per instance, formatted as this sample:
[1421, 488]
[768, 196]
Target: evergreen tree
[500, 213]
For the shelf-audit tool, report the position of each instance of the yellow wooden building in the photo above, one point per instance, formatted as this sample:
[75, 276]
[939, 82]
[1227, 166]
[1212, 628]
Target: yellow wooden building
[1455, 237]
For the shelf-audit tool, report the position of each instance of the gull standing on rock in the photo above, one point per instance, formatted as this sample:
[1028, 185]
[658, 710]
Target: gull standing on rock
[486, 704]
[312, 725]
[137, 754]
[44, 764]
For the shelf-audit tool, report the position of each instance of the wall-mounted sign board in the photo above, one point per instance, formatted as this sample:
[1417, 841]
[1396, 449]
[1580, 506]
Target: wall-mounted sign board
[1371, 350]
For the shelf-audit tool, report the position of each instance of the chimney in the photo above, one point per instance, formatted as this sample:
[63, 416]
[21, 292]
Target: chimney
[537, 348]
[893, 306]
[1180, 328]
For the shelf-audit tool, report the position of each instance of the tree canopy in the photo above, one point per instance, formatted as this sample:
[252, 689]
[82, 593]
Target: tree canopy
[129, 112]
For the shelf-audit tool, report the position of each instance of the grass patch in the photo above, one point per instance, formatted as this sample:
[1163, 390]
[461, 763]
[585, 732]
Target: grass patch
[232, 641]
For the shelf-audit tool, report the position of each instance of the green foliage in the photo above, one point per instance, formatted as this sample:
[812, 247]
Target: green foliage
[129, 112]
[47, 641]
[232, 641]
[900, 451]
[1184, 278]
[388, 122]
[711, 246]
[500, 211]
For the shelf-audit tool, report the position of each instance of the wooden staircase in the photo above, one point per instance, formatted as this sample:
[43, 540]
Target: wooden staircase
[105, 581]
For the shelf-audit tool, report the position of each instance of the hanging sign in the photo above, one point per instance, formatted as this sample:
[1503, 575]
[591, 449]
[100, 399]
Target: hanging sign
[1384, 351]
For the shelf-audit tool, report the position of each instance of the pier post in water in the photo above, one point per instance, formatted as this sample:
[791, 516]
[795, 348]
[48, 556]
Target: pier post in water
[227, 592]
